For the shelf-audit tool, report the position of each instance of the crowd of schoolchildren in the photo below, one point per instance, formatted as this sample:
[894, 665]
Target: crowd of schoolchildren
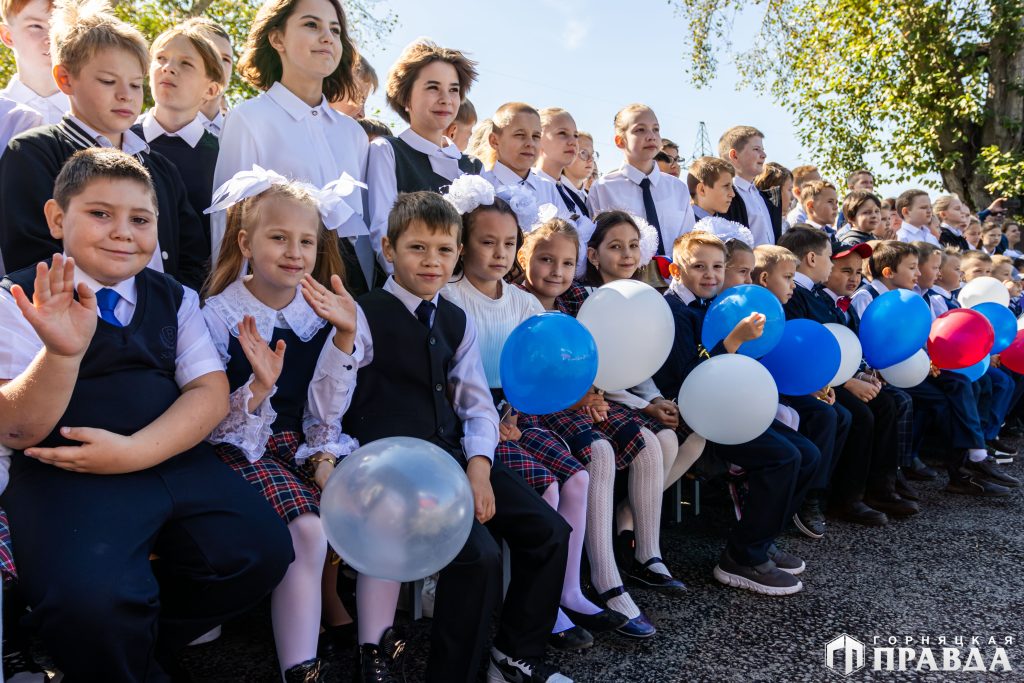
[206, 308]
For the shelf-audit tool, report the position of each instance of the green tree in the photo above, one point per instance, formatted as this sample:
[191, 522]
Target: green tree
[926, 85]
[369, 24]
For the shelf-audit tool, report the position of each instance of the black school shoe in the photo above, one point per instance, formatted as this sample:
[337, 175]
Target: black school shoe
[642, 575]
[970, 484]
[859, 512]
[891, 503]
[374, 662]
[601, 622]
[990, 470]
[918, 471]
[310, 671]
[571, 639]
[904, 488]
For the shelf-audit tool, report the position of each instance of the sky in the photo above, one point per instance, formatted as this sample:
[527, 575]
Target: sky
[591, 57]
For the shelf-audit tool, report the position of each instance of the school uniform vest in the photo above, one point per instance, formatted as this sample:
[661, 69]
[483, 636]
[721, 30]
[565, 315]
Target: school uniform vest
[289, 401]
[196, 166]
[948, 238]
[814, 305]
[951, 301]
[404, 390]
[870, 290]
[413, 172]
[126, 378]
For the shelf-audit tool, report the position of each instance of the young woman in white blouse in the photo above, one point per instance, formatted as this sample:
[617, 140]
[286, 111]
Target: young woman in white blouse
[300, 56]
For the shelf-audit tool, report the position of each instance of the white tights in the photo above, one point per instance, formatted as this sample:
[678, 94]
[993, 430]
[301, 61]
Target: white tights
[295, 603]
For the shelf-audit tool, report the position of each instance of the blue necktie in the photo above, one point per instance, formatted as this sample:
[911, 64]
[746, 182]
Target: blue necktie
[652, 212]
[424, 312]
[106, 300]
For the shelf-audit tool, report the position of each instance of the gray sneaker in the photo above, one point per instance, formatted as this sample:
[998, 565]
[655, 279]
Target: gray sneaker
[764, 578]
[787, 562]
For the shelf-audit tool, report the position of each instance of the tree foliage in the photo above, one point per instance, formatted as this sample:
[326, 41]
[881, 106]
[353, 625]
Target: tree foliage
[924, 86]
[368, 23]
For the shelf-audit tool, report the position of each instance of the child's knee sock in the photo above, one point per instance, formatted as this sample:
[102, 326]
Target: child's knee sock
[645, 488]
[573, 508]
[669, 444]
[376, 602]
[688, 453]
[295, 603]
[603, 571]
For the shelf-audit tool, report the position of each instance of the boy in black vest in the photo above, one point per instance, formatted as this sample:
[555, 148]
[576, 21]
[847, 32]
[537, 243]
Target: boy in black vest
[100, 63]
[107, 419]
[416, 371]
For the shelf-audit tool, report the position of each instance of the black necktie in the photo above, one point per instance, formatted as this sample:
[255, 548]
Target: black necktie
[571, 203]
[424, 312]
[652, 212]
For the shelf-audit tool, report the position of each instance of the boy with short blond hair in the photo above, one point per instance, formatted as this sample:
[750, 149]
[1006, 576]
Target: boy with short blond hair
[801, 176]
[821, 203]
[975, 264]
[100, 63]
[743, 147]
[710, 183]
[915, 212]
[26, 31]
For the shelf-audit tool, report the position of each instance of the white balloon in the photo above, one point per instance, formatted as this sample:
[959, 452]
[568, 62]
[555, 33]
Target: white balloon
[910, 372]
[729, 399]
[850, 350]
[633, 328]
[983, 290]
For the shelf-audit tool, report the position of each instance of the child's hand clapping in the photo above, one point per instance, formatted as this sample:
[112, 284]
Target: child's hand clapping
[64, 325]
[266, 363]
[748, 329]
[337, 307]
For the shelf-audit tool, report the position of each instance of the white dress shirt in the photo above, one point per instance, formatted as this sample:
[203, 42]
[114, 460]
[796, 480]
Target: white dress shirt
[195, 355]
[191, 132]
[543, 189]
[620, 189]
[334, 380]
[578, 193]
[250, 431]
[802, 280]
[214, 126]
[910, 233]
[16, 118]
[862, 298]
[937, 303]
[381, 177]
[282, 133]
[758, 219]
[797, 215]
[52, 108]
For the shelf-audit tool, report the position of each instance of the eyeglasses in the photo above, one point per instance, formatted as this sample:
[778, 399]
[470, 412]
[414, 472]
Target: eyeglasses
[587, 155]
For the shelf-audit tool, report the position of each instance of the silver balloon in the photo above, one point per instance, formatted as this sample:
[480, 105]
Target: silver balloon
[398, 508]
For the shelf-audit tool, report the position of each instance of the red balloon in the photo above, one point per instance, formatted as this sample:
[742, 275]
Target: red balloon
[1013, 355]
[960, 338]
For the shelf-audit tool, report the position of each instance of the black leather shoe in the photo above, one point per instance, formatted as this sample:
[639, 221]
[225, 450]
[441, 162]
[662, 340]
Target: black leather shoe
[918, 471]
[603, 621]
[1002, 447]
[642, 575]
[988, 469]
[310, 671]
[571, 639]
[373, 661]
[640, 628]
[809, 519]
[904, 488]
[892, 504]
[859, 513]
[969, 484]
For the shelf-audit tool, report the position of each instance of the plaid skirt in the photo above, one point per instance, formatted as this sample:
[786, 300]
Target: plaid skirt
[579, 432]
[540, 457]
[7, 569]
[276, 476]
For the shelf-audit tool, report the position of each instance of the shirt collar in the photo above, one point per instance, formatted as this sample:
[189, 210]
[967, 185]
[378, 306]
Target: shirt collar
[131, 143]
[680, 290]
[947, 226]
[804, 281]
[742, 184]
[126, 288]
[298, 109]
[191, 133]
[879, 286]
[545, 175]
[636, 175]
[908, 226]
[421, 144]
[700, 213]
[213, 125]
[568, 184]
[835, 297]
[506, 176]
[941, 291]
[236, 302]
[18, 91]
[408, 299]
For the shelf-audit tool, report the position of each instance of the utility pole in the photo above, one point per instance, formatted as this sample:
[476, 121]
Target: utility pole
[702, 145]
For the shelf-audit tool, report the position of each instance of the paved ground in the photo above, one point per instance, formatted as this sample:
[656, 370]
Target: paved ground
[953, 570]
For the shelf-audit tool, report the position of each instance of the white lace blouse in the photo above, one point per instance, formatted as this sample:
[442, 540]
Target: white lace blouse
[249, 432]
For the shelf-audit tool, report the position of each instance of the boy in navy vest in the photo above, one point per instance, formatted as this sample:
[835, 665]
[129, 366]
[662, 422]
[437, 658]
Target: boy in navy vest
[415, 370]
[107, 419]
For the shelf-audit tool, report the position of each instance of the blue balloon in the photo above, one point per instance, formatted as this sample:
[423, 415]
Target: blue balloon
[894, 327]
[975, 372]
[735, 304]
[806, 358]
[1003, 322]
[547, 364]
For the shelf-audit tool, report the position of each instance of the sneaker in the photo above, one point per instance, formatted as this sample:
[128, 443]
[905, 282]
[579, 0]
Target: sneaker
[1002, 447]
[810, 520]
[990, 470]
[787, 562]
[764, 578]
[999, 456]
[504, 669]
[969, 484]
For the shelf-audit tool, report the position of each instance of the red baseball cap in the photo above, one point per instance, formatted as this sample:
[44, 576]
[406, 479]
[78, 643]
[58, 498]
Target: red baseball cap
[864, 249]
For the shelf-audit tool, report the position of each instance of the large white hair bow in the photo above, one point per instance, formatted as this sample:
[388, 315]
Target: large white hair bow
[468, 191]
[725, 229]
[524, 204]
[330, 199]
